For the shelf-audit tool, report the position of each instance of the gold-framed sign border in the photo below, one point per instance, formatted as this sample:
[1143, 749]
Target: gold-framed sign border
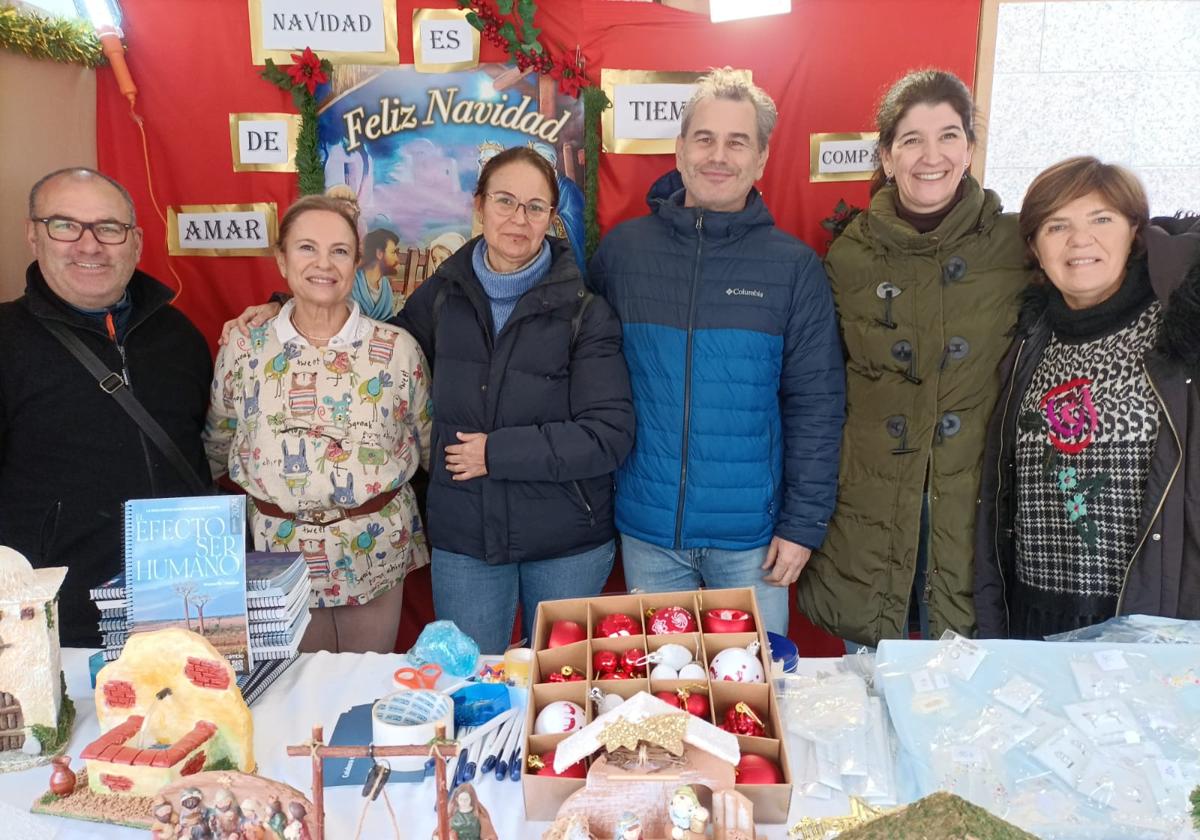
[815, 176]
[293, 137]
[420, 15]
[391, 43]
[267, 208]
[609, 80]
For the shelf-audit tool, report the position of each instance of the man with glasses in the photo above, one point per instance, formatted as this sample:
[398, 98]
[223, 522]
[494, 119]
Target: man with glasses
[70, 455]
[736, 367]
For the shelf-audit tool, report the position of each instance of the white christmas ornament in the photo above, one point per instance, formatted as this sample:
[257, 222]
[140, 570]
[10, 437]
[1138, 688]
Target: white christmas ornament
[692, 671]
[675, 656]
[605, 702]
[560, 716]
[738, 665]
[663, 671]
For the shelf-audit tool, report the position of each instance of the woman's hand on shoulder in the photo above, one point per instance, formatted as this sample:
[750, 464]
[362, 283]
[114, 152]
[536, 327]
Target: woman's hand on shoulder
[254, 316]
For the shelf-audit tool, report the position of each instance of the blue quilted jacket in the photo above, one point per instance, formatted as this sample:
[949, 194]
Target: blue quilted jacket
[737, 375]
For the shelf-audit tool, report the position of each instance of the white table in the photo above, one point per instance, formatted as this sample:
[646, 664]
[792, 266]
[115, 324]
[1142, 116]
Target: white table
[314, 690]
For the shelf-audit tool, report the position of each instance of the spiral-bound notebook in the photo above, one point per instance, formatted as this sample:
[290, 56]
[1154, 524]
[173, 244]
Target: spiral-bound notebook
[185, 566]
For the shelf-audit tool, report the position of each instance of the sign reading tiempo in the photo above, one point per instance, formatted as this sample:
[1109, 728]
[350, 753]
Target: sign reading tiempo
[362, 31]
[646, 112]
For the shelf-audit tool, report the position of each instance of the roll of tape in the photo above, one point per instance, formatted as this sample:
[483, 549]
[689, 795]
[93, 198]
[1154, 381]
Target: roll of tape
[408, 718]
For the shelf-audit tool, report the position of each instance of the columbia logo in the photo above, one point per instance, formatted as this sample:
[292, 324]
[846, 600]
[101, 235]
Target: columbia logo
[744, 293]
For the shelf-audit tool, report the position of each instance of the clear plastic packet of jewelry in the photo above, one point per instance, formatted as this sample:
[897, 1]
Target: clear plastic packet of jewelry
[1101, 671]
[832, 712]
[1136, 629]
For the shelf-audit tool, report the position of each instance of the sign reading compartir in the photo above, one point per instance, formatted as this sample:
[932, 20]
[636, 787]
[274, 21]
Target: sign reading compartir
[443, 41]
[221, 230]
[848, 156]
[349, 31]
[646, 112]
[263, 142]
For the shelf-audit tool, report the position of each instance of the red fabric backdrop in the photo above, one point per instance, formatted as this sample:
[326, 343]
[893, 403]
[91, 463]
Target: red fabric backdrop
[826, 65]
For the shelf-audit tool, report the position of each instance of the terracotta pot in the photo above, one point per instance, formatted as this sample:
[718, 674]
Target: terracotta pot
[62, 777]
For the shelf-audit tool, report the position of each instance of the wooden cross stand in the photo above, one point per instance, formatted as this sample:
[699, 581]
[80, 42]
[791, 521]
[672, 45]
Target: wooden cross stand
[318, 750]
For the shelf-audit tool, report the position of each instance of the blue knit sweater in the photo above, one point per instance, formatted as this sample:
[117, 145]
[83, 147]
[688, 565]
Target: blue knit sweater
[504, 290]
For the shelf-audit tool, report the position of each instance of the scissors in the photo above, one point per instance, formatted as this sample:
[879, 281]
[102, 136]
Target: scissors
[424, 677]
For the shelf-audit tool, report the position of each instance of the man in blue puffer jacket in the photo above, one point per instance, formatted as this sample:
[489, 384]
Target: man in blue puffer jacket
[736, 367]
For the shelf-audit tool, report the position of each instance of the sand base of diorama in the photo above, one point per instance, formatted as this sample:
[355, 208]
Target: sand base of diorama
[83, 804]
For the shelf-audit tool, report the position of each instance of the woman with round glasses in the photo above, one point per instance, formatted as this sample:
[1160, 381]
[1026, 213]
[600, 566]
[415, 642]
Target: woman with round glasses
[532, 411]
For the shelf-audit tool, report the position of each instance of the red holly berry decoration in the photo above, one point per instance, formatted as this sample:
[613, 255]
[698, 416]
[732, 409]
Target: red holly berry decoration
[671, 620]
[740, 719]
[617, 624]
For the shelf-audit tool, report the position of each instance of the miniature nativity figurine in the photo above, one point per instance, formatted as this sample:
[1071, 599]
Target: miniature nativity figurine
[689, 819]
[469, 820]
[629, 827]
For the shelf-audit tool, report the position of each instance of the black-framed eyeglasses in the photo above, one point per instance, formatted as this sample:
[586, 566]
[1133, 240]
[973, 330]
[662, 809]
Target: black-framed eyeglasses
[506, 204]
[66, 229]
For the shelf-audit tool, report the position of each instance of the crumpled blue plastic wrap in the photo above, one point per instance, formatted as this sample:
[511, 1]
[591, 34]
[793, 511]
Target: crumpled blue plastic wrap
[442, 643]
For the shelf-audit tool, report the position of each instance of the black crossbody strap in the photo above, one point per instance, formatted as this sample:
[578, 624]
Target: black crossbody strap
[114, 385]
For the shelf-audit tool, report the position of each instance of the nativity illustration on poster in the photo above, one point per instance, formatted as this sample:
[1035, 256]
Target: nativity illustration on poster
[409, 146]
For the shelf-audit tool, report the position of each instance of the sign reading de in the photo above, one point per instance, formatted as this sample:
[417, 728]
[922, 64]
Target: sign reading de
[362, 30]
[263, 142]
[221, 230]
[851, 156]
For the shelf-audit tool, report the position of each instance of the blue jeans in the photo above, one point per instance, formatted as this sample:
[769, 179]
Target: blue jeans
[652, 568]
[482, 599]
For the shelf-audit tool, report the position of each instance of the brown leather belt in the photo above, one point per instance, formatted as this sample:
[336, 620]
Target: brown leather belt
[330, 515]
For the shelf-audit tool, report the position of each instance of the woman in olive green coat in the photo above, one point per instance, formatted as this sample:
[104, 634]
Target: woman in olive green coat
[926, 283]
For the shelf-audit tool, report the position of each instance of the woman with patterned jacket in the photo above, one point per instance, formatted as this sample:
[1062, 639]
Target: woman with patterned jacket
[322, 416]
[927, 283]
[1092, 475]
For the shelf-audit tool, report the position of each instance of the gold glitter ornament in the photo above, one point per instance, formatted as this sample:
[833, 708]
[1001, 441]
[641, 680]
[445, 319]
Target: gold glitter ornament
[665, 731]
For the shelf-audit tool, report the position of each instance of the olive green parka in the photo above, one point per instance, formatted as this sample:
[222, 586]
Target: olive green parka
[926, 319]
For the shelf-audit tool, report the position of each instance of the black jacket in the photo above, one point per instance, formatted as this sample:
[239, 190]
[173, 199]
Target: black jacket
[1163, 576]
[70, 455]
[558, 414]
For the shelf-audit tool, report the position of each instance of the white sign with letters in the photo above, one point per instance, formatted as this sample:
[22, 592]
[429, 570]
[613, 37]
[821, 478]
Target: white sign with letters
[263, 141]
[221, 230]
[845, 156]
[348, 26]
[651, 111]
[446, 41]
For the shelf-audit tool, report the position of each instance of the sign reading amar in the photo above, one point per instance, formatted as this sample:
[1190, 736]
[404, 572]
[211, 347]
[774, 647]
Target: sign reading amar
[215, 230]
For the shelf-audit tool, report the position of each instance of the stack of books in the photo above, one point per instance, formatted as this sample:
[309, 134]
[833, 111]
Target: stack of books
[277, 590]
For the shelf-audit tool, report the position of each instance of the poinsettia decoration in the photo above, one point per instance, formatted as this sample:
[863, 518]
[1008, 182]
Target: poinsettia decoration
[301, 80]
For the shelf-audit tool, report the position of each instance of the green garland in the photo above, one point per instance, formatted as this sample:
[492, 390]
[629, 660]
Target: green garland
[595, 102]
[301, 80]
[70, 41]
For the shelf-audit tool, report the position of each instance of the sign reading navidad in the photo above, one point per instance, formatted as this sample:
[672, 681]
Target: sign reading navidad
[411, 145]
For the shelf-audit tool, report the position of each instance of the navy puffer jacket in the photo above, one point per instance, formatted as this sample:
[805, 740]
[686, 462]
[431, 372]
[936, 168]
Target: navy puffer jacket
[558, 413]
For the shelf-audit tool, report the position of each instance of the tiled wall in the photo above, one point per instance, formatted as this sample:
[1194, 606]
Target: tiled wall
[1119, 80]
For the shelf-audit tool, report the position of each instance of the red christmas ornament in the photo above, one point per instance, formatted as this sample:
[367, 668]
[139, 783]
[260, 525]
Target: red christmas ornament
[756, 770]
[741, 720]
[671, 620]
[604, 662]
[619, 674]
[695, 702]
[633, 660]
[565, 674]
[543, 765]
[565, 633]
[617, 624]
[728, 621]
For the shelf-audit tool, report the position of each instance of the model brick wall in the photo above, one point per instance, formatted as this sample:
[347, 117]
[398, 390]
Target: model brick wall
[205, 673]
[119, 784]
[119, 694]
